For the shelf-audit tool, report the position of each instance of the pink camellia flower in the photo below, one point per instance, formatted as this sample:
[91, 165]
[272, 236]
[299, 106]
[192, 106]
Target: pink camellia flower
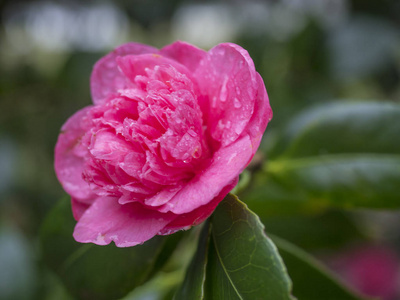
[165, 140]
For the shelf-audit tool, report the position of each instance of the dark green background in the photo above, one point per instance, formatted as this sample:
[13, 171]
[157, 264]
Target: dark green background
[308, 56]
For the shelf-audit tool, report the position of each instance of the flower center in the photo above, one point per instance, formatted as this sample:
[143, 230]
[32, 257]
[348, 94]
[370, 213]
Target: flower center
[147, 137]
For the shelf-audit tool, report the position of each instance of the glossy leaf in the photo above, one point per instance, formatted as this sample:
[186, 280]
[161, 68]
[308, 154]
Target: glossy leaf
[235, 259]
[98, 272]
[289, 212]
[331, 229]
[370, 181]
[336, 128]
[267, 196]
[343, 155]
[311, 280]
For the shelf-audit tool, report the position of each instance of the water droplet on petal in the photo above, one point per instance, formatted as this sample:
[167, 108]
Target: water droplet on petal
[110, 64]
[214, 102]
[221, 124]
[192, 133]
[236, 103]
[232, 157]
[224, 90]
[238, 129]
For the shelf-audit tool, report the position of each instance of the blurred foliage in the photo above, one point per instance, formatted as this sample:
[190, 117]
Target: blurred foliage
[78, 265]
[308, 55]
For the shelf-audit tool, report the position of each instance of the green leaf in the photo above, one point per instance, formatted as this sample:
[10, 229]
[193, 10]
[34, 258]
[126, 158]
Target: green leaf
[248, 258]
[311, 280]
[290, 213]
[235, 259]
[369, 181]
[98, 272]
[193, 284]
[268, 197]
[344, 155]
[364, 127]
[331, 229]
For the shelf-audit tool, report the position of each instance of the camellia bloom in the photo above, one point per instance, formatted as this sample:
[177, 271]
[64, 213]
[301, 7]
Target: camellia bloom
[164, 142]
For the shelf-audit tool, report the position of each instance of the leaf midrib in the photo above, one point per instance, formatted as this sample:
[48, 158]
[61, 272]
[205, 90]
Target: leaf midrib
[224, 268]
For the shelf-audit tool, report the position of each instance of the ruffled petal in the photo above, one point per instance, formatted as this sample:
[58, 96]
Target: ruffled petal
[138, 65]
[262, 115]
[170, 132]
[108, 146]
[106, 79]
[78, 208]
[200, 214]
[69, 157]
[184, 53]
[225, 167]
[228, 80]
[127, 225]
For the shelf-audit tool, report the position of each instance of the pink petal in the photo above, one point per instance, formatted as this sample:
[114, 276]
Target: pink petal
[78, 208]
[127, 225]
[262, 115]
[226, 166]
[162, 196]
[106, 79]
[108, 146]
[200, 214]
[134, 65]
[69, 157]
[134, 192]
[184, 53]
[227, 77]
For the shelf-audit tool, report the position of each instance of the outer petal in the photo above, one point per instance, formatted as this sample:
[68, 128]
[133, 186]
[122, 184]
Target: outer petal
[78, 208]
[200, 214]
[226, 166]
[262, 115]
[184, 53]
[69, 157]
[227, 78]
[133, 65]
[162, 197]
[127, 225]
[106, 79]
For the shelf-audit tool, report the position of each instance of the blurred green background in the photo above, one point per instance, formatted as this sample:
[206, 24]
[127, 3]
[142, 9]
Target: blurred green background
[307, 51]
